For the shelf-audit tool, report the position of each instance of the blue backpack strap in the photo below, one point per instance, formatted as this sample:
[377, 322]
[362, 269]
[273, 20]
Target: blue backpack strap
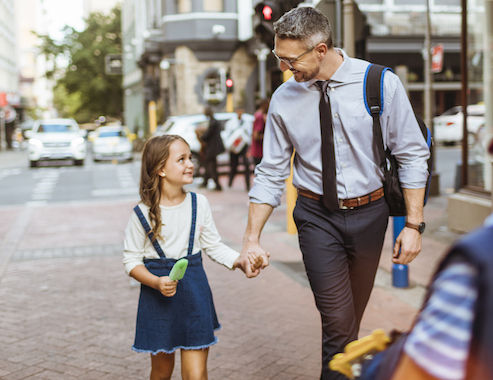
[194, 222]
[147, 229]
[373, 97]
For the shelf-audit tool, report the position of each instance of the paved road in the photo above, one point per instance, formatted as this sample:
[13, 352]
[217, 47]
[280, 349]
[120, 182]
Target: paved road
[67, 310]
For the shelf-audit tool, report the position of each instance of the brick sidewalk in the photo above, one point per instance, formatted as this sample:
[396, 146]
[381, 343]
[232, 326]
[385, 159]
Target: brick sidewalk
[67, 309]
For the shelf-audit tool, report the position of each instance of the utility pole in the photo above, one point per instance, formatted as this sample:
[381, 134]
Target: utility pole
[429, 96]
[262, 57]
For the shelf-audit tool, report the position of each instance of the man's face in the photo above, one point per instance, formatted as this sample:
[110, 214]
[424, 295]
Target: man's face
[296, 56]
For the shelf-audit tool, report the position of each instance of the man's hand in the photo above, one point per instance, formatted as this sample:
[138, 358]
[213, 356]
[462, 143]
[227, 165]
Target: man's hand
[253, 258]
[409, 243]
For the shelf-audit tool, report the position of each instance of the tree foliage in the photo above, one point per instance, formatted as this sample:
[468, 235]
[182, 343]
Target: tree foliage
[83, 89]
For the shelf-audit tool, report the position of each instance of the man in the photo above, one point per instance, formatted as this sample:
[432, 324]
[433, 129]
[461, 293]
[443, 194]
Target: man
[340, 213]
[213, 147]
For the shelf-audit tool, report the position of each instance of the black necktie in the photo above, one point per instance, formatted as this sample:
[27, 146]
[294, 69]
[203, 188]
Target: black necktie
[329, 198]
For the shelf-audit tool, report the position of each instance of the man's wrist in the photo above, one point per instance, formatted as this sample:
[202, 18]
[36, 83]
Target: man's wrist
[420, 227]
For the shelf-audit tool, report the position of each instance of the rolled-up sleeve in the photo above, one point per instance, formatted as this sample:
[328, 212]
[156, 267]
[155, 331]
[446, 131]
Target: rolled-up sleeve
[271, 173]
[133, 245]
[404, 137]
[210, 240]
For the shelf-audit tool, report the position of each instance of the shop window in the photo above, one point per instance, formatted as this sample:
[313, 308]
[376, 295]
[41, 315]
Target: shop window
[213, 5]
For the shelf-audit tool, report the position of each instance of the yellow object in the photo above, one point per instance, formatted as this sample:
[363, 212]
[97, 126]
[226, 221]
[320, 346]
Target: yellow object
[152, 117]
[291, 194]
[229, 102]
[356, 350]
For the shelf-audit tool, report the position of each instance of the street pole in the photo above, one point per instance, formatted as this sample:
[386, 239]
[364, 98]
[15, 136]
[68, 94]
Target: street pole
[349, 45]
[429, 99]
[262, 58]
[2, 129]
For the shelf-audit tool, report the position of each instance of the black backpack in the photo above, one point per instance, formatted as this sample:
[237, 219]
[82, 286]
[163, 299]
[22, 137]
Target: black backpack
[373, 96]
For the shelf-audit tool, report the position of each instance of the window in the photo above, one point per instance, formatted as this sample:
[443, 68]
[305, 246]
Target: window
[213, 6]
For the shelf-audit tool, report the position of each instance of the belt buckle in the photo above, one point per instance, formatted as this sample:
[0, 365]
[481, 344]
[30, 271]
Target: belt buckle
[341, 205]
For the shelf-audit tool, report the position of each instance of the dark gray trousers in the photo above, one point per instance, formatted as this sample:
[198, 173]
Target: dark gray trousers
[341, 251]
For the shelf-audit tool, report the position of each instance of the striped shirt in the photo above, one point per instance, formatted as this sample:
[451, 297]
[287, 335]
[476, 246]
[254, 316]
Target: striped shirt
[439, 343]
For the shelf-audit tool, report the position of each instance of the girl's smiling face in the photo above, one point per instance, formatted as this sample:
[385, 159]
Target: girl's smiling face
[178, 169]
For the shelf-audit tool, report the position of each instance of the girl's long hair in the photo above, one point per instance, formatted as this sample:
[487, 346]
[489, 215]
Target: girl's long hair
[154, 157]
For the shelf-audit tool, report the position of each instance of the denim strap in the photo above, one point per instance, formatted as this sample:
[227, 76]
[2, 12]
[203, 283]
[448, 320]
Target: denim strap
[154, 242]
[194, 221]
[150, 234]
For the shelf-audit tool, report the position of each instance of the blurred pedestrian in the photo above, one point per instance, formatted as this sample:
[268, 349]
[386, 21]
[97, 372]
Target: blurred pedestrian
[340, 213]
[213, 147]
[258, 131]
[168, 224]
[237, 138]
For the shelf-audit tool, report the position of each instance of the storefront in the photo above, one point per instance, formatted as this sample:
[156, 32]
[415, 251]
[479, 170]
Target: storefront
[468, 208]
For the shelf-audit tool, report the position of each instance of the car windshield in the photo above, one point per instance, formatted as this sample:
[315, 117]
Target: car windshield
[56, 128]
[112, 134]
[452, 111]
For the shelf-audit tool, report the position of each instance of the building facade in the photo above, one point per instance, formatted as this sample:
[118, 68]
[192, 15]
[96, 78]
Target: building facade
[9, 84]
[178, 55]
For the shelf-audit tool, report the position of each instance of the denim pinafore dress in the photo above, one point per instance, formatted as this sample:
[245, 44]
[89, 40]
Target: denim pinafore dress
[188, 319]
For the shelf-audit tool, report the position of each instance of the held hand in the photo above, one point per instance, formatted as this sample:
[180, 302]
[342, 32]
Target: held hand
[409, 243]
[249, 260]
[166, 286]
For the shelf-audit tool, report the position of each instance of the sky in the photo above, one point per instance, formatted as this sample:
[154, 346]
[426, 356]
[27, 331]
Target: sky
[61, 13]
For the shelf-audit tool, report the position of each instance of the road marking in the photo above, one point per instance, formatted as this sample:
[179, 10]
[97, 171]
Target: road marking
[117, 191]
[44, 188]
[7, 172]
[126, 182]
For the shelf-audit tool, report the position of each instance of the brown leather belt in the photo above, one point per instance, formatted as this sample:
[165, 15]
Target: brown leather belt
[347, 203]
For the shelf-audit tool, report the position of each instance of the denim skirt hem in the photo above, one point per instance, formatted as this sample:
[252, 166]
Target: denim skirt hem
[175, 348]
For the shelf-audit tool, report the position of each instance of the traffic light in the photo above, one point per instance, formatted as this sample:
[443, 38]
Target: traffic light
[266, 12]
[229, 85]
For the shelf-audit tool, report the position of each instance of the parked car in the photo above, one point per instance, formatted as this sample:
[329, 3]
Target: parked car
[56, 139]
[448, 126]
[186, 125]
[111, 143]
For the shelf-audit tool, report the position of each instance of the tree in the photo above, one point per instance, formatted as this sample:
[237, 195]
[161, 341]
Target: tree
[83, 89]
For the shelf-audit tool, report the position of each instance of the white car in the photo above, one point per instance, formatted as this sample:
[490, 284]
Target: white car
[448, 126]
[185, 126]
[111, 143]
[56, 139]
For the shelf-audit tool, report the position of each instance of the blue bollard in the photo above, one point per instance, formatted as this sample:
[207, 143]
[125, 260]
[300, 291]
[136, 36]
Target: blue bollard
[400, 272]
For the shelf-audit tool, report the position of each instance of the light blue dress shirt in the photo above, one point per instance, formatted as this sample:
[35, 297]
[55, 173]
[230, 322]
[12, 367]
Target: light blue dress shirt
[293, 122]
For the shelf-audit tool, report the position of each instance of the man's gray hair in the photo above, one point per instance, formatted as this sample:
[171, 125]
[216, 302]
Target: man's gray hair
[306, 24]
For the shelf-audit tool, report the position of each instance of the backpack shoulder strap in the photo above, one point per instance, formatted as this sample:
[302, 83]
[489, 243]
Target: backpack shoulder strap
[373, 97]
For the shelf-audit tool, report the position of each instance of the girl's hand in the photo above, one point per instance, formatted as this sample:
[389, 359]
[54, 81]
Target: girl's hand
[166, 286]
[256, 262]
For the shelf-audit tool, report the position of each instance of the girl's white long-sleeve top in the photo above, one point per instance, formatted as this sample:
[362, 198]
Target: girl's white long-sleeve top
[175, 230]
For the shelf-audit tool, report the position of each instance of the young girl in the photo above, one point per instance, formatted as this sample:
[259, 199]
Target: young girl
[168, 224]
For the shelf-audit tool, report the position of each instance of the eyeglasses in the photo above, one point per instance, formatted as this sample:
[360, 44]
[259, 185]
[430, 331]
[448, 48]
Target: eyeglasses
[290, 61]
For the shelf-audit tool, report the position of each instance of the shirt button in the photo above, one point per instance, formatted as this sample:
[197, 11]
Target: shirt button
[332, 89]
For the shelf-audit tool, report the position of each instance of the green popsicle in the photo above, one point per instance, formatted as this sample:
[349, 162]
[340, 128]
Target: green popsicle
[178, 270]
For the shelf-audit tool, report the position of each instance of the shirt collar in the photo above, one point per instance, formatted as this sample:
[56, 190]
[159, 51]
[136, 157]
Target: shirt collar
[342, 73]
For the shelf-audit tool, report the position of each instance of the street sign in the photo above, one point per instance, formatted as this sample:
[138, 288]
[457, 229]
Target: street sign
[3, 99]
[437, 58]
[113, 64]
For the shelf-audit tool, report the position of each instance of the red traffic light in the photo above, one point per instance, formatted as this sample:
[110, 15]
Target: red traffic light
[267, 12]
[229, 82]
